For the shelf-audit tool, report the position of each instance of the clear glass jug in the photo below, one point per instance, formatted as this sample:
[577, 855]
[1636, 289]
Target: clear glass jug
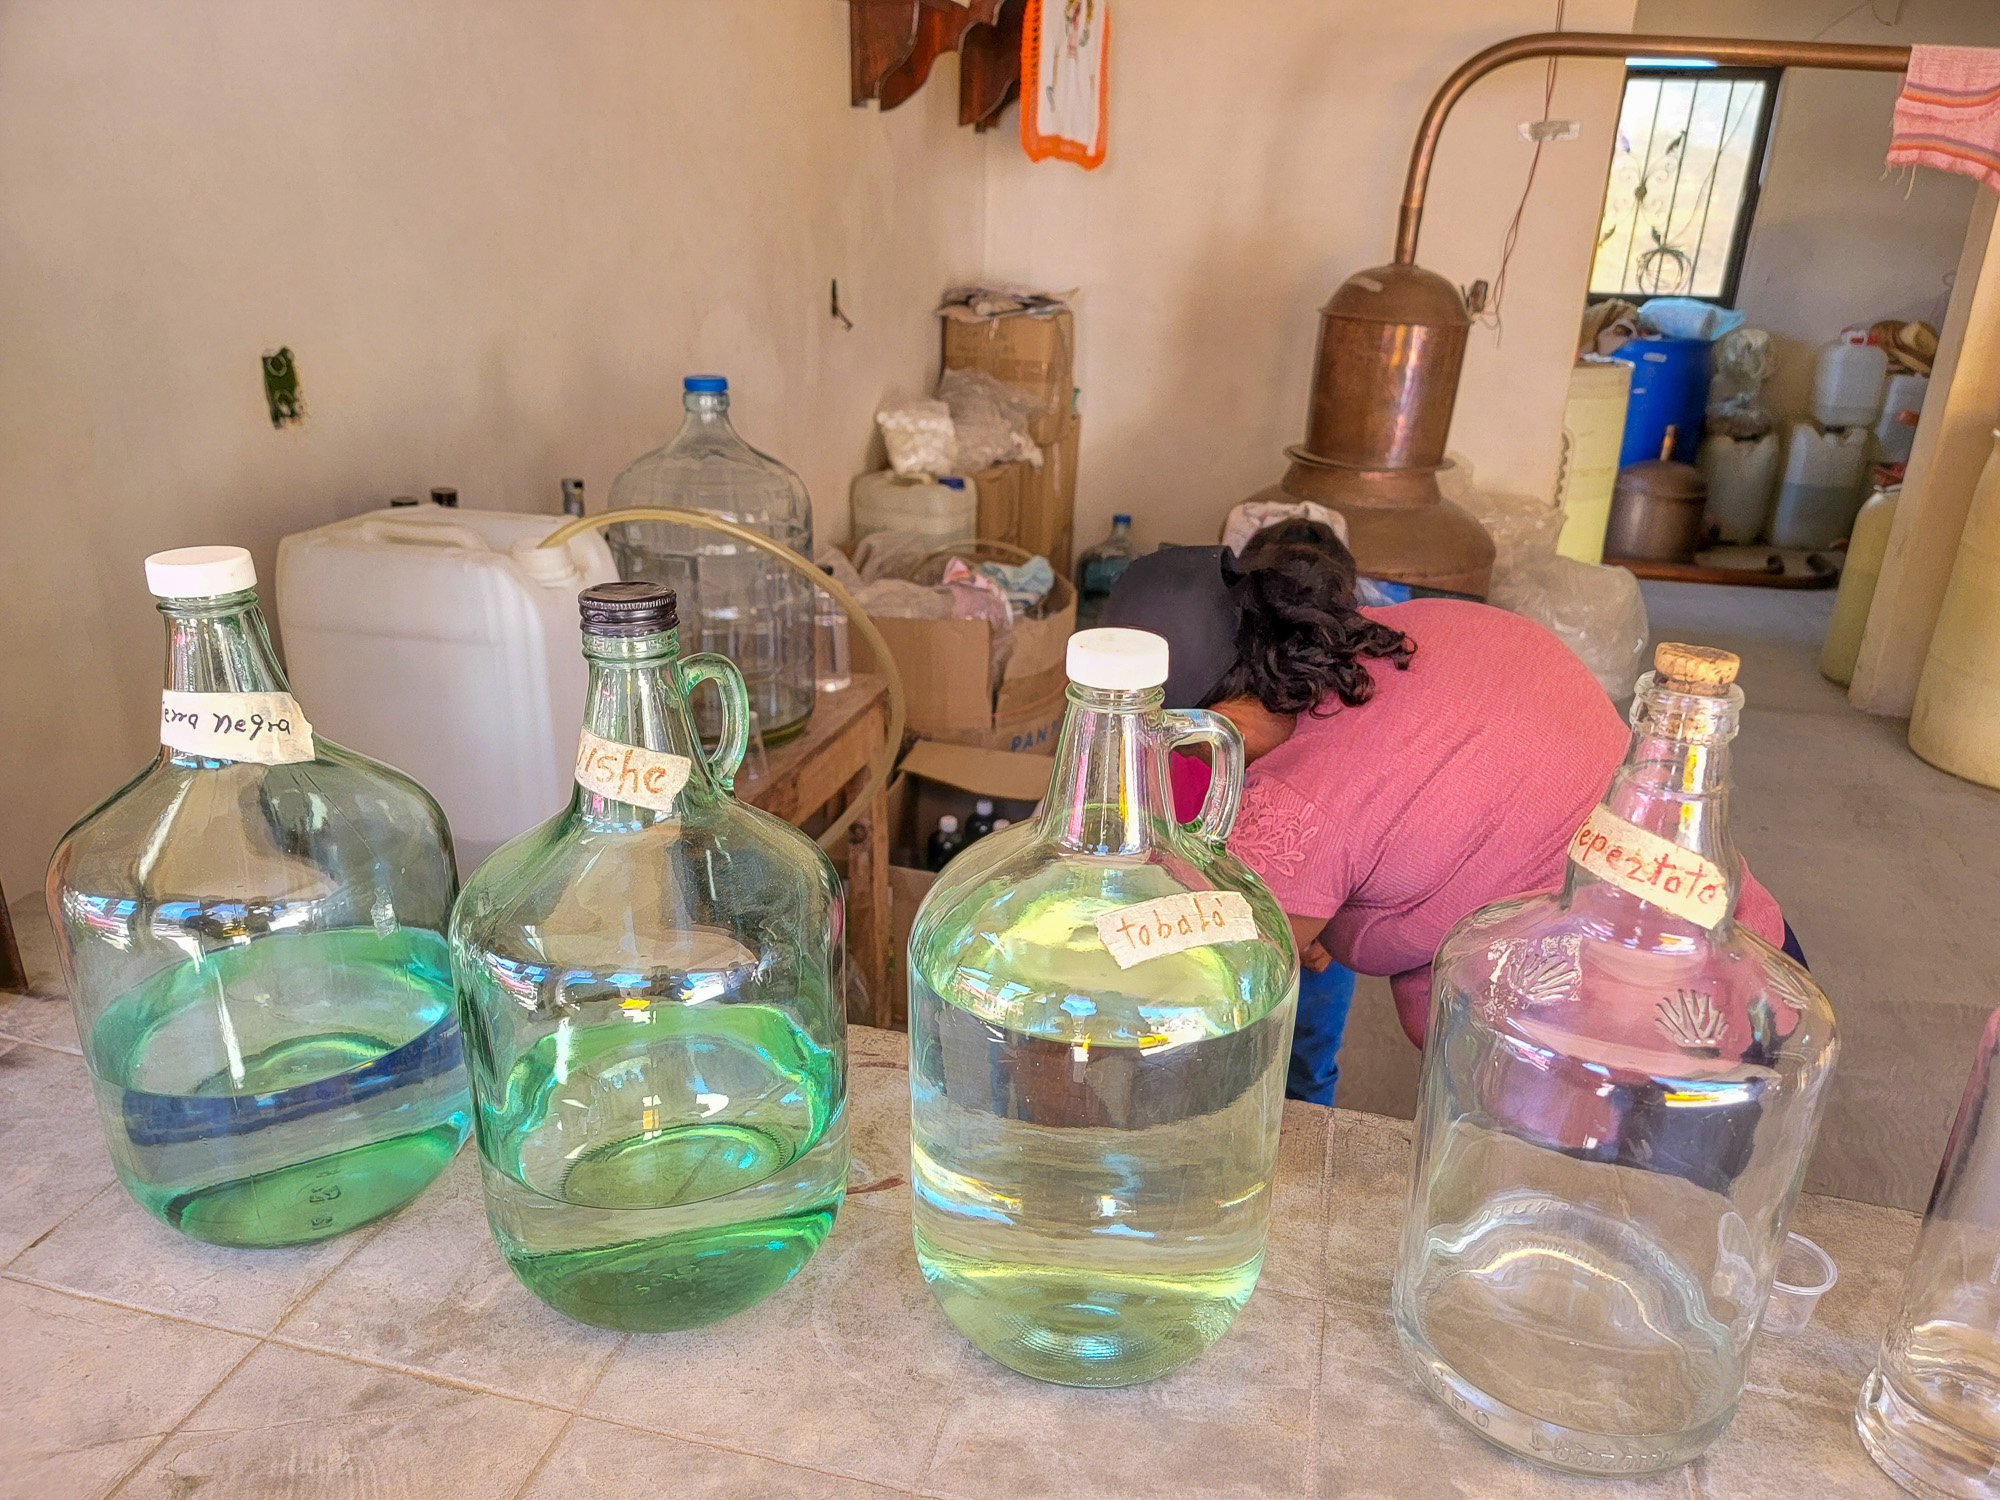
[657, 1050]
[737, 602]
[1620, 1089]
[1101, 1005]
[252, 932]
[1930, 1413]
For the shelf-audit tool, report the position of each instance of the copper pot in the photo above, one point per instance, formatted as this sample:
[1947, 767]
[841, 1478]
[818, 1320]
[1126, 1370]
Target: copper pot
[1658, 510]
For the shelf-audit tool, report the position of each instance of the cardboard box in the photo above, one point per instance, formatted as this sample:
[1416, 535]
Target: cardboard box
[1034, 354]
[946, 667]
[934, 780]
[1033, 508]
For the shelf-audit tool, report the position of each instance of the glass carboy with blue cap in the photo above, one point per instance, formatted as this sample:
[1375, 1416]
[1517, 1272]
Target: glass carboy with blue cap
[252, 933]
[734, 600]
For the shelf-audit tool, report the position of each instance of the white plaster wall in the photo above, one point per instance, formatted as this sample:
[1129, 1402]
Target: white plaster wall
[1256, 160]
[1837, 239]
[495, 233]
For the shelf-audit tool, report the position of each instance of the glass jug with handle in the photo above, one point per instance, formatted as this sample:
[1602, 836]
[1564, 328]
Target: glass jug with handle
[1101, 1007]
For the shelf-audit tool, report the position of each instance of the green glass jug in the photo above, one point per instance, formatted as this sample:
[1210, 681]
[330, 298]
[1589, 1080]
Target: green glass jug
[1101, 1006]
[657, 1052]
[252, 932]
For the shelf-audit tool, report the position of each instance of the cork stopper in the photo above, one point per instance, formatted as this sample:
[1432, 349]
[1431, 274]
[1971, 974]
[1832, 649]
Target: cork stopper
[1695, 669]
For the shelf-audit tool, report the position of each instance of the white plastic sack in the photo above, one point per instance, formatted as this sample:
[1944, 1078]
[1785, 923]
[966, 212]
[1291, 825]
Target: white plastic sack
[920, 438]
[1524, 528]
[990, 418]
[1596, 611]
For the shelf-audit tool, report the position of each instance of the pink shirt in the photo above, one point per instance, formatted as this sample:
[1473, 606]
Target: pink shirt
[1459, 783]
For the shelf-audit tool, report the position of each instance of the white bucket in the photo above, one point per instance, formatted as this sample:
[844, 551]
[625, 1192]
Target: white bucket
[444, 642]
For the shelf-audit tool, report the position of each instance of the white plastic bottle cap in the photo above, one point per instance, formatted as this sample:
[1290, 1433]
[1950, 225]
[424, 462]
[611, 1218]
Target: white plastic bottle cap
[200, 572]
[947, 824]
[983, 807]
[1118, 660]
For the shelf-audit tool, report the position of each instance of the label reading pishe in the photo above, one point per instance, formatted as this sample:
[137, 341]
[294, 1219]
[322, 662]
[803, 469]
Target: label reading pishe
[264, 728]
[1650, 867]
[1173, 924]
[627, 773]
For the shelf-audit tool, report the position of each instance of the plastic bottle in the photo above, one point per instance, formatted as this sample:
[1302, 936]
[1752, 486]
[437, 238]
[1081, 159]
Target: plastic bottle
[252, 933]
[1620, 1089]
[646, 981]
[736, 601]
[1101, 1004]
[1858, 577]
[1100, 568]
[1902, 407]
[1847, 384]
[1741, 474]
[1826, 474]
[945, 842]
[832, 646]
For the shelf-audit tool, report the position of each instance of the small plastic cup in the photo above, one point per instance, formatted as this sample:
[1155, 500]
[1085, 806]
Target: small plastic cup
[1804, 1273]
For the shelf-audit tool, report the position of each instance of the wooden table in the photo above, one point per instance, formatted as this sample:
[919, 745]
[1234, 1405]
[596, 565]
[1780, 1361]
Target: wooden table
[819, 771]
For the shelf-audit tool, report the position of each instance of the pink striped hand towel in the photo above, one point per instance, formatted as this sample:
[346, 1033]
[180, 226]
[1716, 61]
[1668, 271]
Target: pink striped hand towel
[1948, 115]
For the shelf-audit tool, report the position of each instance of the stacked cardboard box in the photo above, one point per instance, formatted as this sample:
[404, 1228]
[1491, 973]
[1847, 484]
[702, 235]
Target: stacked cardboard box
[1029, 506]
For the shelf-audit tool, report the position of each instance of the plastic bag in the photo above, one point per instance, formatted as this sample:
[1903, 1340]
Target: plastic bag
[1596, 611]
[990, 418]
[920, 437]
[1687, 318]
[1743, 361]
[1524, 528]
[891, 554]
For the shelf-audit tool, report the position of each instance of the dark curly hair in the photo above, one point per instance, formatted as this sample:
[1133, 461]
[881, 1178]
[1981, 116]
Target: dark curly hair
[1299, 638]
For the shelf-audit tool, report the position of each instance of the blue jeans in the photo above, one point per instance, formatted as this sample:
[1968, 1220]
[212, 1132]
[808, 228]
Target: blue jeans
[1323, 1001]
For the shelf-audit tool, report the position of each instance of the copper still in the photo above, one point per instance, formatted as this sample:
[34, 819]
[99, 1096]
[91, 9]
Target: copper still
[1392, 339]
[1390, 344]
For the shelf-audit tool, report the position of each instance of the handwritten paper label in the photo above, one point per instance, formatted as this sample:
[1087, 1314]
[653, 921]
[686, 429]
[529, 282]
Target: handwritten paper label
[266, 728]
[1133, 934]
[626, 773]
[1650, 867]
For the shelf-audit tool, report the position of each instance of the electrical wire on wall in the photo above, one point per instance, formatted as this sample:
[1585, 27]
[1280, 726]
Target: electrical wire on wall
[1489, 315]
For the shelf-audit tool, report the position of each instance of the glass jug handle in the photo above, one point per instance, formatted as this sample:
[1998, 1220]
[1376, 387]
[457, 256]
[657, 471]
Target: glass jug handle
[709, 666]
[1225, 782]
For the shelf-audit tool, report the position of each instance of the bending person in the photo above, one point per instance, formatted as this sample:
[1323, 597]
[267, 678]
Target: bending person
[1409, 764]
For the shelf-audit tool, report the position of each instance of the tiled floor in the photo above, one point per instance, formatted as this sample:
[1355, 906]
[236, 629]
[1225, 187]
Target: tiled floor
[1887, 868]
[405, 1361]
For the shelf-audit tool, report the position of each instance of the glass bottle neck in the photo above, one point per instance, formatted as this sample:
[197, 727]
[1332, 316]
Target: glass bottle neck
[220, 645]
[636, 699]
[1110, 793]
[1674, 781]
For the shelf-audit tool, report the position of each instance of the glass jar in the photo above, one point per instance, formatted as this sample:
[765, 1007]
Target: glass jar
[1101, 1005]
[738, 602]
[252, 933]
[1930, 1412]
[658, 1055]
[1620, 1088]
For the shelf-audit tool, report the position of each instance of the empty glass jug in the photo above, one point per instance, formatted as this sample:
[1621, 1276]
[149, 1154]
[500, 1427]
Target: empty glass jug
[252, 932]
[736, 601]
[657, 1050]
[1620, 1089]
[1101, 1005]
[1930, 1413]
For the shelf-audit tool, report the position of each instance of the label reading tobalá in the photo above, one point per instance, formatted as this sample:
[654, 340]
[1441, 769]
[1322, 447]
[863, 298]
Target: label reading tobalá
[1172, 924]
[1650, 867]
[264, 728]
[626, 773]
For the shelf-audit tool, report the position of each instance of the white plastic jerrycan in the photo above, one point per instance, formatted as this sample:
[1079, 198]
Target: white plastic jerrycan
[443, 641]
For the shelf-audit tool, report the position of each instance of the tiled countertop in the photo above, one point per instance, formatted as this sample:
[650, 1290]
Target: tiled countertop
[405, 1361]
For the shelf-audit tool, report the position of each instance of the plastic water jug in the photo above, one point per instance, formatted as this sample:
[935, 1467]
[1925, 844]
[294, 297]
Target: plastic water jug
[1825, 478]
[444, 643]
[946, 509]
[1902, 405]
[1741, 475]
[1858, 577]
[1847, 384]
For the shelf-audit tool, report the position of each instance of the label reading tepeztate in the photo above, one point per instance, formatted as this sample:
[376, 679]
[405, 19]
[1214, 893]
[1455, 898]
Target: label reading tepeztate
[1650, 867]
[266, 728]
[1172, 924]
[645, 778]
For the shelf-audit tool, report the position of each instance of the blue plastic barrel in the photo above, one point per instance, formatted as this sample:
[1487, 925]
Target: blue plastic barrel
[1669, 389]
